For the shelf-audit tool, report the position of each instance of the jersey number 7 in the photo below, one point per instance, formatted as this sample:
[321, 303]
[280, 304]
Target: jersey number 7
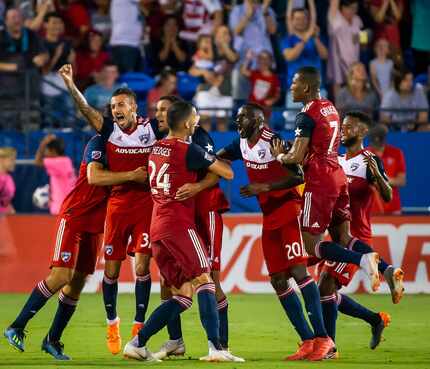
[333, 124]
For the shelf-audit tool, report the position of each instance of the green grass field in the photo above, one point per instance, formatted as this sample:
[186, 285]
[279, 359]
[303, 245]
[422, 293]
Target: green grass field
[259, 331]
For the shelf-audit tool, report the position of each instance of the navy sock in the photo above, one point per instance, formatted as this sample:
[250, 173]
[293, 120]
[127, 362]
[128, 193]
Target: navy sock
[223, 322]
[208, 312]
[161, 316]
[174, 327]
[66, 308]
[352, 308]
[35, 302]
[329, 309]
[142, 291]
[363, 248]
[293, 308]
[110, 293]
[334, 252]
[311, 296]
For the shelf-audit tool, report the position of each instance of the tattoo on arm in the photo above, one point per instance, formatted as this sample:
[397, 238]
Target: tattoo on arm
[93, 116]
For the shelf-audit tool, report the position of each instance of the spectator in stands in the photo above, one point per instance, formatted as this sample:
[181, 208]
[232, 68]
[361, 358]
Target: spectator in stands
[215, 65]
[265, 85]
[100, 18]
[357, 94]
[170, 50]
[344, 29]
[166, 86]
[387, 15]
[381, 68]
[7, 184]
[394, 165]
[252, 24]
[77, 19]
[405, 95]
[126, 35]
[59, 167]
[55, 97]
[34, 15]
[99, 94]
[90, 59]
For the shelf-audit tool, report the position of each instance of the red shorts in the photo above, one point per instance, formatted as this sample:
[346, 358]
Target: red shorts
[126, 232]
[210, 229]
[75, 249]
[342, 272]
[320, 209]
[181, 257]
[283, 247]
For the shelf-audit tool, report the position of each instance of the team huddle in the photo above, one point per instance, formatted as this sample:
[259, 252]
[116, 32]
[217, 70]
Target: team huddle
[151, 188]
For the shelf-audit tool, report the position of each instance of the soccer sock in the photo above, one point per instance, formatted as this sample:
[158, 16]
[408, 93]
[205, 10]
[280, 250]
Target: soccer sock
[110, 293]
[292, 306]
[174, 327]
[352, 308]
[142, 290]
[334, 252]
[363, 248]
[311, 296]
[66, 308]
[35, 302]
[162, 315]
[208, 312]
[223, 322]
[329, 309]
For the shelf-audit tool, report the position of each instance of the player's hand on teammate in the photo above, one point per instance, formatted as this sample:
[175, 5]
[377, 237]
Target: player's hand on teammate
[279, 146]
[187, 190]
[140, 175]
[371, 164]
[254, 189]
[66, 72]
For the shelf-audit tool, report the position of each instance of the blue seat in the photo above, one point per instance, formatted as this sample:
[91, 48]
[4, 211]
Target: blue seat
[421, 78]
[187, 85]
[140, 83]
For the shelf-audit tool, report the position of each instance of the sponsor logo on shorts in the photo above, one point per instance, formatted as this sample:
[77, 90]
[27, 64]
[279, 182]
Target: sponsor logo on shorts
[65, 256]
[96, 155]
[108, 249]
[261, 153]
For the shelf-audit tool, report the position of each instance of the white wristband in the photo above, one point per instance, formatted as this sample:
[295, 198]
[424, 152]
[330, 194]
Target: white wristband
[279, 157]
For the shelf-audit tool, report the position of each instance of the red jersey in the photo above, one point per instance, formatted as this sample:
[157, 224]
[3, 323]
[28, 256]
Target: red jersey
[127, 151]
[85, 205]
[173, 163]
[361, 193]
[279, 206]
[394, 164]
[319, 120]
[263, 87]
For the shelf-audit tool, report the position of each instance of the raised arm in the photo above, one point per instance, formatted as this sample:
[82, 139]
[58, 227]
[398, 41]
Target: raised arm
[98, 176]
[334, 7]
[93, 116]
[40, 153]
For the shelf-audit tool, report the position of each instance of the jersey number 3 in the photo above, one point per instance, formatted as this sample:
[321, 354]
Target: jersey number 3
[335, 127]
[162, 179]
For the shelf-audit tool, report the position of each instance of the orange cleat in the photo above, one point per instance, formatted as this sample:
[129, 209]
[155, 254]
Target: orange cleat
[394, 279]
[322, 346]
[304, 350]
[113, 338]
[137, 326]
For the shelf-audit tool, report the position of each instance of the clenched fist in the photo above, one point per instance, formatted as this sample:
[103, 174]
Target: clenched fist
[66, 72]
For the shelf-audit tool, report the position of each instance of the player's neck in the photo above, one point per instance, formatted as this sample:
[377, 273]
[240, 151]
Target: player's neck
[311, 97]
[354, 149]
[180, 135]
[254, 138]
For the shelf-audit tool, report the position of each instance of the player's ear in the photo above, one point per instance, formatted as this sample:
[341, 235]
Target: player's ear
[260, 121]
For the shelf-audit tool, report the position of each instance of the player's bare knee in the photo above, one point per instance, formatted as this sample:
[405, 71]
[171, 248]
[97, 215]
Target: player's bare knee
[58, 278]
[142, 262]
[112, 269]
[327, 284]
[279, 282]
[185, 290]
[202, 279]
[165, 292]
[298, 272]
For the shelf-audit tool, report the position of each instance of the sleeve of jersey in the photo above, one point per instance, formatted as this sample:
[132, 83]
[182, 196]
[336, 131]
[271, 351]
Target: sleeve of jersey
[381, 169]
[154, 125]
[204, 140]
[107, 128]
[197, 158]
[233, 150]
[304, 125]
[95, 151]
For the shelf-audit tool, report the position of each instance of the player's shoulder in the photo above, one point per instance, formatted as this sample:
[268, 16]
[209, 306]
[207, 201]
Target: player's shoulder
[268, 134]
[144, 121]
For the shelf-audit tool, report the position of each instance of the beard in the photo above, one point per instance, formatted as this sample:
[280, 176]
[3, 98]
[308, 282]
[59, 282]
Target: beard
[350, 141]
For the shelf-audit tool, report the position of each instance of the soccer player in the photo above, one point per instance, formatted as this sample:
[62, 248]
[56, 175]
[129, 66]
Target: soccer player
[176, 245]
[365, 173]
[283, 249]
[210, 204]
[326, 200]
[80, 223]
[129, 141]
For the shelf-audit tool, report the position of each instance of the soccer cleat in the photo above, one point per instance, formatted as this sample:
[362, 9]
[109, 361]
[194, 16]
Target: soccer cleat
[394, 279]
[304, 350]
[55, 349]
[220, 356]
[137, 326]
[113, 338]
[322, 346]
[333, 354]
[232, 357]
[369, 263]
[171, 348]
[131, 351]
[15, 337]
[377, 330]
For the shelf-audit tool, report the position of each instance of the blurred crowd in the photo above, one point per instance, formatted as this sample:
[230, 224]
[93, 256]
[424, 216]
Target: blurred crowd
[373, 55]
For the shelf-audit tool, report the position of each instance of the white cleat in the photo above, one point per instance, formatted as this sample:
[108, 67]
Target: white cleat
[170, 348]
[220, 356]
[369, 263]
[236, 359]
[394, 279]
[131, 351]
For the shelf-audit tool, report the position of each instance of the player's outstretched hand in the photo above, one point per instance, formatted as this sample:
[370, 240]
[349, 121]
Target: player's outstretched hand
[66, 72]
[254, 189]
[140, 175]
[277, 147]
[187, 190]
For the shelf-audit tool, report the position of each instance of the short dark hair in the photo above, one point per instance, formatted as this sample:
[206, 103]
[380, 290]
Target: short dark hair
[125, 91]
[165, 73]
[398, 76]
[254, 106]
[362, 117]
[52, 15]
[56, 145]
[178, 113]
[171, 98]
[311, 76]
[347, 2]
